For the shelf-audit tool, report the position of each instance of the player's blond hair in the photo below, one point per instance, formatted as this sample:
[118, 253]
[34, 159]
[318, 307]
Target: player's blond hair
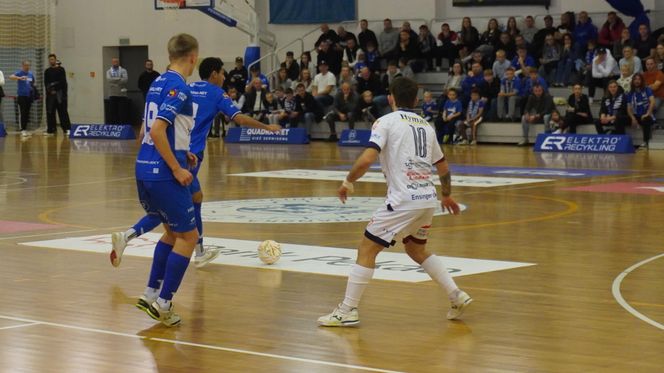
[181, 45]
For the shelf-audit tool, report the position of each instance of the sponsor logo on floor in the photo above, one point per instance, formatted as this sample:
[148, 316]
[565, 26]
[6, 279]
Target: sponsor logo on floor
[7, 226]
[377, 177]
[295, 210]
[625, 188]
[297, 258]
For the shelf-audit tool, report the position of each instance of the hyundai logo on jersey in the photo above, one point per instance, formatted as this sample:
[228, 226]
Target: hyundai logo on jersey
[584, 143]
[102, 131]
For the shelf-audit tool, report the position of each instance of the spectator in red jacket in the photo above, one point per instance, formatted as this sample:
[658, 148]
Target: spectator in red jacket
[611, 30]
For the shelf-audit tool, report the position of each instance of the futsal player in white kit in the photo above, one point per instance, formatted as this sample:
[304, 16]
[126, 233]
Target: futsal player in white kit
[407, 147]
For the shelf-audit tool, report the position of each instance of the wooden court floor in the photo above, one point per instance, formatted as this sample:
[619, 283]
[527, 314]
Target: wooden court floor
[70, 311]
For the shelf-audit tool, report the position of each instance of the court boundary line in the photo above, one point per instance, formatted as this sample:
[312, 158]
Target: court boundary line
[615, 289]
[197, 345]
[19, 326]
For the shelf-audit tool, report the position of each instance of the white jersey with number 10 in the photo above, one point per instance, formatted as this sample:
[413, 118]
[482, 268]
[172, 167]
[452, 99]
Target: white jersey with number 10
[408, 151]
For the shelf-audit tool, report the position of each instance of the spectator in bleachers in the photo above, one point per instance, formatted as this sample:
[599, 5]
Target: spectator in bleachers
[512, 29]
[584, 30]
[538, 110]
[567, 23]
[500, 65]
[566, 62]
[372, 57]
[282, 80]
[654, 79]
[327, 35]
[469, 37]
[344, 36]
[520, 42]
[604, 69]
[449, 117]
[489, 38]
[2, 94]
[584, 63]
[406, 27]
[346, 76]
[366, 35]
[359, 63]
[538, 40]
[367, 110]
[506, 44]
[474, 79]
[556, 123]
[324, 86]
[408, 49]
[429, 106]
[474, 117]
[613, 111]
[550, 58]
[405, 69]
[332, 58]
[306, 63]
[289, 116]
[527, 84]
[350, 52]
[392, 73]
[611, 30]
[522, 61]
[455, 77]
[476, 57]
[305, 79]
[344, 109]
[641, 106]
[255, 72]
[366, 81]
[237, 98]
[237, 78]
[489, 90]
[644, 43]
[529, 30]
[626, 74]
[388, 39]
[508, 96]
[307, 109]
[578, 109]
[292, 67]
[630, 59]
[448, 48]
[659, 56]
[427, 44]
[625, 40]
[255, 104]
[274, 109]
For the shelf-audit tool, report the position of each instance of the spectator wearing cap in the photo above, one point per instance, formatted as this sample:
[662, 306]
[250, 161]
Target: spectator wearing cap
[330, 56]
[604, 69]
[388, 39]
[255, 72]
[538, 110]
[292, 68]
[529, 30]
[584, 31]
[324, 86]
[237, 77]
[327, 35]
[644, 43]
[611, 30]
[366, 35]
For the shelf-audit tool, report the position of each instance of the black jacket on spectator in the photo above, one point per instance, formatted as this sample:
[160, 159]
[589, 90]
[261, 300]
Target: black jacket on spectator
[308, 104]
[55, 80]
[330, 36]
[345, 105]
[292, 71]
[366, 37]
[385, 81]
[410, 52]
[614, 106]
[250, 101]
[509, 48]
[351, 54]
[373, 85]
[538, 40]
[144, 80]
[469, 38]
[333, 59]
[237, 78]
[539, 105]
[643, 47]
[490, 37]
[348, 35]
[369, 109]
[490, 90]
[582, 105]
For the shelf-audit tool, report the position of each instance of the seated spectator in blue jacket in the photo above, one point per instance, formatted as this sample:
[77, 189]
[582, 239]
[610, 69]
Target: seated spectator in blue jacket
[255, 72]
[449, 118]
[584, 31]
[528, 83]
[522, 60]
[474, 79]
[429, 106]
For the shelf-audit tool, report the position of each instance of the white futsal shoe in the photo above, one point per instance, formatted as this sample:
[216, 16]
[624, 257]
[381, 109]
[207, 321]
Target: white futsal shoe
[340, 318]
[208, 256]
[119, 245]
[167, 317]
[459, 305]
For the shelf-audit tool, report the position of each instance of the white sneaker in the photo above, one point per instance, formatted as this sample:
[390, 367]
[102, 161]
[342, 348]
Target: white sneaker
[25, 133]
[208, 256]
[473, 142]
[119, 245]
[463, 142]
[144, 303]
[48, 134]
[67, 133]
[557, 132]
[167, 317]
[522, 143]
[340, 318]
[459, 305]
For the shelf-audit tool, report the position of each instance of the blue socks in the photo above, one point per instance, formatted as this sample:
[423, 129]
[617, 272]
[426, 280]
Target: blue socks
[199, 221]
[160, 258]
[176, 266]
[146, 224]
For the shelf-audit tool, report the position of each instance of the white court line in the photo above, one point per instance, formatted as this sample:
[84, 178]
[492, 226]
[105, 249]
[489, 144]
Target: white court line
[619, 298]
[59, 233]
[70, 185]
[191, 344]
[20, 326]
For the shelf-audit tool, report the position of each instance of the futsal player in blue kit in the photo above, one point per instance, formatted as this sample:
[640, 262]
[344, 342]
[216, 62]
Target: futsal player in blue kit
[208, 100]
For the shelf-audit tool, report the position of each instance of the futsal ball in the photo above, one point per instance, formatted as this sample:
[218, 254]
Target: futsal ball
[269, 251]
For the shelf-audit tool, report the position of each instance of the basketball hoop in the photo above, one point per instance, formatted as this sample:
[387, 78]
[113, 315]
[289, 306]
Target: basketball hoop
[171, 7]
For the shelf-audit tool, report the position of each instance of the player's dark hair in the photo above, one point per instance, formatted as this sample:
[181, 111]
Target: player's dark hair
[208, 66]
[404, 92]
[181, 45]
[52, 55]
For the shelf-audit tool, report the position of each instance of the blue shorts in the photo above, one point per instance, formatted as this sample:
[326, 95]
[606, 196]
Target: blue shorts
[171, 201]
[195, 185]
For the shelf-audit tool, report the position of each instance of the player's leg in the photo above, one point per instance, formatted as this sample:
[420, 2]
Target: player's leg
[120, 239]
[159, 259]
[203, 255]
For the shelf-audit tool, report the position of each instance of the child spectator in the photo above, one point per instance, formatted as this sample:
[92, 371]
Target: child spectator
[273, 109]
[584, 63]
[367, 110]
[473, 118]
[429, 107]
[449, 118]
[556, 124]
[508, 95]
[489, 90]
[289, 105]
[500, 65]
[625, 81]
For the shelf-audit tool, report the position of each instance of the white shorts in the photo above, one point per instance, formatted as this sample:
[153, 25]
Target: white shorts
[412, 225]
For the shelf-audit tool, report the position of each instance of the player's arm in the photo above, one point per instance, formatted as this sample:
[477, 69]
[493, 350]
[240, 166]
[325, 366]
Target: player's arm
[160, 140]
[247, 121]
[361, 166]
[446, 187]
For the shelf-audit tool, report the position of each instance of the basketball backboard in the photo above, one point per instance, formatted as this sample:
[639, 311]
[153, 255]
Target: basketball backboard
[182, 4]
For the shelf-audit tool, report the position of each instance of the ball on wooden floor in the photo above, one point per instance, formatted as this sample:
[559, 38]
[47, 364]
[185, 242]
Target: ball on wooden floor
[269, 251]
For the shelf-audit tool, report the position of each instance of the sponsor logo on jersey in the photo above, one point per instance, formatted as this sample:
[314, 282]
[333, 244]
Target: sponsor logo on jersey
[172, 93]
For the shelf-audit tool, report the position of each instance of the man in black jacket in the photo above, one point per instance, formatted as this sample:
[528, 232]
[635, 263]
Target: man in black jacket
[55, 82]
[345, 103]
[306, 110]
[328, 35]
[147, 77]
[578, 109]
[292, 67]
[237, 78]
[538, 110]
[365, 36]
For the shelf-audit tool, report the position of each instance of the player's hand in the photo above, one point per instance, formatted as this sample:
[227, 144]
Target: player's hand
[274, 128]
[345, 188]
[635, 123]
[450, 205]
[192, 160]
[644, 116]
[183, 176]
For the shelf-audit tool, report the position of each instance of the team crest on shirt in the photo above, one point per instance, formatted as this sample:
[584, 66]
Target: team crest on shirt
[172, 93]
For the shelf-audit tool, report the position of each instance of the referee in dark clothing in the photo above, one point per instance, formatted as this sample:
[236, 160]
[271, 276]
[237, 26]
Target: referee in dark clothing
[55, 82]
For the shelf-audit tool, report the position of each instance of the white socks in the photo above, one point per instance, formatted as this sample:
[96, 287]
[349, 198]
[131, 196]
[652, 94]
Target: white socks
[199, 249]
[358, 279]
[151, 293]
[163, 303]
[130, 234]
[435, 268]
